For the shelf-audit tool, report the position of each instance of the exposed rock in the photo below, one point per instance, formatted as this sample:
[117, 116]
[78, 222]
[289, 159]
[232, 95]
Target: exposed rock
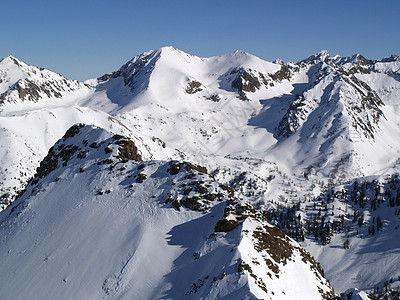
[33, 88]
[62, 151]
[127, 149]
[225, 225]
[105, 77]
[363, 61]
[72, 131]
[281, 74]
[294, 115]
[200, 169]
[274, 241]
[192, 203]
[159, 141]
[193, 87]
[365, 113]
[363, 108]
[246, 82]
[174, 167]
[141, 177]
[214, 98]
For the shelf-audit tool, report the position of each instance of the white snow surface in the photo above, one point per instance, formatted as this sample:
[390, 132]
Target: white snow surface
[90, 230]
[305, 128]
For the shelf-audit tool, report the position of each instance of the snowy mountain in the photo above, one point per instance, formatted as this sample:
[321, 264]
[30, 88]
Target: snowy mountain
[329, 113]
[30, 126]
[20, 82]
[281, 135]
[99, 221]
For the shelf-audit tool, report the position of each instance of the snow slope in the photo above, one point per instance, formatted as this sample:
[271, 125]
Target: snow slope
[279, 133]
[371, 214]
[99, 221]
[351, 230]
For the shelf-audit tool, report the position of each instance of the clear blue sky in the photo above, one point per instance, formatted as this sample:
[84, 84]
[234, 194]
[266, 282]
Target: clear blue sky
[86, 38]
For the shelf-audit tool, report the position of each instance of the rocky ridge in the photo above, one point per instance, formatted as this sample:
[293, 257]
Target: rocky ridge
[258, 258]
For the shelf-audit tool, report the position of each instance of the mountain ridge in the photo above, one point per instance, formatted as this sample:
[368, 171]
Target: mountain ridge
[129, 206]
[279, 134]
[20, 82]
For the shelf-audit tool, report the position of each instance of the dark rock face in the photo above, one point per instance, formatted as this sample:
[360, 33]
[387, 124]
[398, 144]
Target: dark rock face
[363, 61]
[141, 177]
[72, 131]
[200, 169]
[366, 112]
[193, 87]
[128, 151]
[175, 167]
[283, 73]
[225, 225]
[62, 152]
[275, 242]
[214, 98]
[192, 203]
[37, 83]
[249, 81]
[291, 121]
[105, 77]
[246, 82]
[135, 73]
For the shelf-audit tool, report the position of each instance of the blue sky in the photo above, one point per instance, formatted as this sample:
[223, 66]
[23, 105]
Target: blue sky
[85, 39]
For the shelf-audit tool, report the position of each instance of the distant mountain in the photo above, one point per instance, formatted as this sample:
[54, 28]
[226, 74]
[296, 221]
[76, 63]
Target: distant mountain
[20, 82]
[282, 135]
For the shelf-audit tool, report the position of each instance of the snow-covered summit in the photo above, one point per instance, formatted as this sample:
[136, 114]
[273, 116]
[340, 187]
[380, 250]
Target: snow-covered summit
[318, 57]
[21, 82]
[11, 70]
[9, 59]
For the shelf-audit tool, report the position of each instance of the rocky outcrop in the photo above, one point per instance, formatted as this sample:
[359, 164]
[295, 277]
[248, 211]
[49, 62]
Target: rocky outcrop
[193, 87]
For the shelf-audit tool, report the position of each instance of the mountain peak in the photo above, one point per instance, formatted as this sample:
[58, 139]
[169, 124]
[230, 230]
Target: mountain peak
[110, 199]
[323, 54]
[239, 52]
[391, 58]
[240, 55]
[9, 57]
[166, 52]
[170, 52]
[169, 49]
[12, 60]
[362, 60]
[318, 57]
[20, 82]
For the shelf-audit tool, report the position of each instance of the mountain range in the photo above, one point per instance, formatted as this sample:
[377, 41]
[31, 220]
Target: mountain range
[224, 177]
